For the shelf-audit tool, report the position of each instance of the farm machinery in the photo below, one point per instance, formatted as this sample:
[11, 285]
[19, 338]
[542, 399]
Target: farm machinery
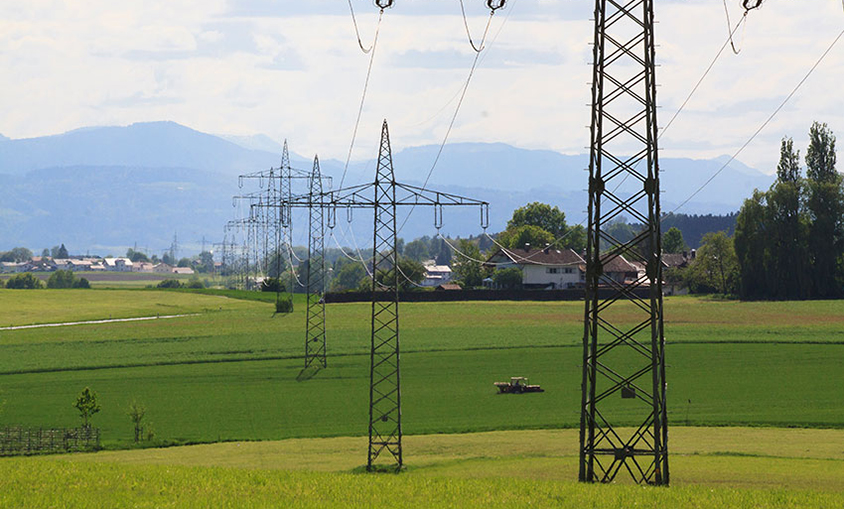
[517, 385]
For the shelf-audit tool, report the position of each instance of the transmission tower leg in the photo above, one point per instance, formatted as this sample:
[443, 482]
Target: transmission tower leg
[315, 315]
[385, 434]
[623, 359]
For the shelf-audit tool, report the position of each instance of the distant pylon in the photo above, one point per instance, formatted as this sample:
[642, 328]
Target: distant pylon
[385, 433]
[315, 352]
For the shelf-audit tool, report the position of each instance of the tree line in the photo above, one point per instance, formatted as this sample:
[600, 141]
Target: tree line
[789, 240]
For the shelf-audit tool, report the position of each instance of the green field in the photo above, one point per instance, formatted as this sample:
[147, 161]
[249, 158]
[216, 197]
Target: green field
[713, 467]
[228, 372]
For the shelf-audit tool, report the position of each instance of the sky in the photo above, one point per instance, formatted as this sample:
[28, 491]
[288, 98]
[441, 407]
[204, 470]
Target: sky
[294, 70]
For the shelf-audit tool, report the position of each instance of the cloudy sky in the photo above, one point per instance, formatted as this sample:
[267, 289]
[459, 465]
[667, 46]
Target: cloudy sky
[294, 70]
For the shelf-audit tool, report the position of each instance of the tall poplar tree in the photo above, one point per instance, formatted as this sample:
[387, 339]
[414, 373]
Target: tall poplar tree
[825, 206]
[789, 249]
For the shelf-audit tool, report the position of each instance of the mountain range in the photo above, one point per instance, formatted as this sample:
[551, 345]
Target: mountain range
[102, 189]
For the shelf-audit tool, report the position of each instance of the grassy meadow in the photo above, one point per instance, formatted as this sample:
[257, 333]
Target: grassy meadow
[227, 371]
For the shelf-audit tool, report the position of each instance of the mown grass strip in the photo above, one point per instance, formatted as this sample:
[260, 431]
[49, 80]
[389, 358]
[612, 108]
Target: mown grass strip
[27, 483]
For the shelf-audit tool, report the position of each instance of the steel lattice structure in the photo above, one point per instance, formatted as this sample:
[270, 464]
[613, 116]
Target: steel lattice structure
[624, 360]
[385, 431]
[383, 197]
[315, 317]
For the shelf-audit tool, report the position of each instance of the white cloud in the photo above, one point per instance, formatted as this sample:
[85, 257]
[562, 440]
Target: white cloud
[293, 70]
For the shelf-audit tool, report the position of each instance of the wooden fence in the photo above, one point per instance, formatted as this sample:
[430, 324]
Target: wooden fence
[20, 441]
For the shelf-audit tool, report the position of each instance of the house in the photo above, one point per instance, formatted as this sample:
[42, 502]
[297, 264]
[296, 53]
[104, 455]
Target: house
[618, 269]
[80, 265]
[542, 268]
[436, 275]
[62, 263]
[118, 264]
[9, 267]
[38, 264]
[143, 267]
[163, 268]
[448, 287]
[182, 270]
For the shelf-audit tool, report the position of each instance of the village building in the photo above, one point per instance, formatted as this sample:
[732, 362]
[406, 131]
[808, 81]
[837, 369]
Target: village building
[547, 268]
[437, 275]
[118, 264]
[163, 268]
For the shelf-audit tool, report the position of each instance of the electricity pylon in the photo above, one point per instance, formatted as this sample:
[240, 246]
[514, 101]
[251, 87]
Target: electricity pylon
[624, 360]
[383, 196]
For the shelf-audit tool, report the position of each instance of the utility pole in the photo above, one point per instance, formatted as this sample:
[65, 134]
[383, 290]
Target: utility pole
[315, 316]
[383, 197]
[624, 359]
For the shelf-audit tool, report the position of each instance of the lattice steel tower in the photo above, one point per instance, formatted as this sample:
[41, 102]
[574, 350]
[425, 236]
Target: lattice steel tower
[384, 378]
[623, 343]
[315, 328]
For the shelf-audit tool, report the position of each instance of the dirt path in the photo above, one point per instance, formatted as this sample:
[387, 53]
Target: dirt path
[89, 322]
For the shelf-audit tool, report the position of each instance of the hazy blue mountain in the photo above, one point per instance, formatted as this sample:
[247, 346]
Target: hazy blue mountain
[145, 145]
[105, 188]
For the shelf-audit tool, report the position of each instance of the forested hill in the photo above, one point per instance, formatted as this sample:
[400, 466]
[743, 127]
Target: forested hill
[694, 226]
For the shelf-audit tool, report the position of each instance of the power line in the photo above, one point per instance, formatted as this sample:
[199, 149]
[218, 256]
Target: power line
[453, 118]
[468, 34]
[363, 97]
[357, 32]
[764, 124]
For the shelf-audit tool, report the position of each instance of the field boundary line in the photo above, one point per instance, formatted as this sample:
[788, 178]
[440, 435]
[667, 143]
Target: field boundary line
[90, 322]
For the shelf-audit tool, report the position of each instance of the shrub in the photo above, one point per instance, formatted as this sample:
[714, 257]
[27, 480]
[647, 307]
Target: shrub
[25, 281]
[81, 283]
[61, 279]
[194, 283]
[170, 283]
[272, 284]
[284, 306]
[508, 279]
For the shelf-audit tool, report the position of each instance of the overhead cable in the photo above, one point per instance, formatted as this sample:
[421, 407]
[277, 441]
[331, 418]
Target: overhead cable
[468, 33]
[765, 123]
[732, 32]
[363, 98]
[453, 118]
[357, 32]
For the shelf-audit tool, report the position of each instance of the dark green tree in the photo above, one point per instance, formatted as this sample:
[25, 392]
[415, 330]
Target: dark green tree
[520, 236]
[62, 253]
[542, 215]
[752, 247]
[348, 277]
[410, 275]
[672, 241]
[508, 279]
[788, 230]
[136, 256]
[441, 251]
[715, 268]
[25, 281]
[170, 283]
[418, 249]
[825, 206]
[17, 255]
[61, 279]
[468, 270]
